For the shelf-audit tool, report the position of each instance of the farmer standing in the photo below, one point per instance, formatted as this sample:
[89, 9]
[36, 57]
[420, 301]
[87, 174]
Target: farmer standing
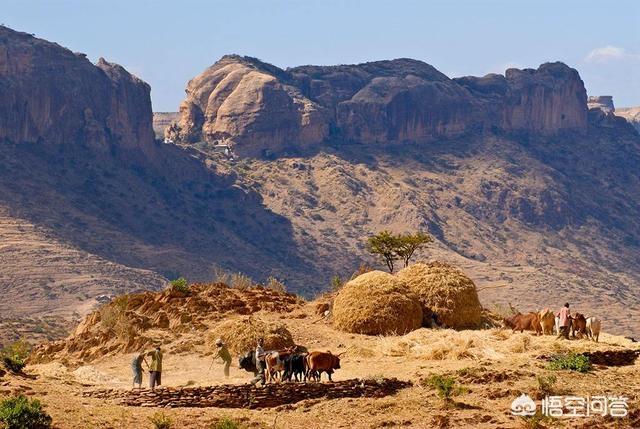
[223, 353]
[260, 360]
[565, 321]
[155, 369]
[136, 368]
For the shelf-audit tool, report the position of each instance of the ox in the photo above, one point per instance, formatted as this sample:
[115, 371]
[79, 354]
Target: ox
[593, 326]
[294, 366]
[247, 362]
[520, 322]
[274, 362]
[547, 321]
[579, 325]
[319, 362]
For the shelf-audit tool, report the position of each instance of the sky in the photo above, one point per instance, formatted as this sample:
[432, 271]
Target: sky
[166, 43]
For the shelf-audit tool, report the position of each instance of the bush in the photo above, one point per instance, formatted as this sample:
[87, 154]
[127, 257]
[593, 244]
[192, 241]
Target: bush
[241, 281]
[570, 361]
[20, 413]
[546, 385]
[336, 283]
[161, 421]
[180, 285]
[226, 423]
[14, 356]
[276, 285]
[445, 386]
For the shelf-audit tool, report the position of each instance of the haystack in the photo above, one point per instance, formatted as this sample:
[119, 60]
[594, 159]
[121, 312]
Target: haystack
[444, 290]
[376, 303]
[241, 334]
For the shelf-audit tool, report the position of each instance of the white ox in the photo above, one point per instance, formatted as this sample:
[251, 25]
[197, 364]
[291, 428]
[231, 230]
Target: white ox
[593, 328]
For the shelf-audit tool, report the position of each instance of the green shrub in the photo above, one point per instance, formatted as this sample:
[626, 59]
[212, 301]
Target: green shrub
[20, 413]
[570, 361]
[336, 283]
[180, 285]
[161, 421]
[226, 423]
[546, 385]
[445, 386]
[14, 356]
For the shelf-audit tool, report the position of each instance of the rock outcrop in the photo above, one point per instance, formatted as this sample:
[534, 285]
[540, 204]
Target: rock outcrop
[257, 107]
[50, 94]
[250, 105]
[602, 102]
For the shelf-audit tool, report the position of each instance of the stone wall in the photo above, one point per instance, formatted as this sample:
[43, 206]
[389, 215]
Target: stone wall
[248, 395]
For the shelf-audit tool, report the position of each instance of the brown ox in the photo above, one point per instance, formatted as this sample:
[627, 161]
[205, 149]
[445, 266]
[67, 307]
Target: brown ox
[579, 325]
[274, 362]
[318, 362]
[521, 322]
[547, 321]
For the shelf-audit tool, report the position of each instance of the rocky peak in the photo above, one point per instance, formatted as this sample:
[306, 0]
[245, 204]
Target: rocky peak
[54, 96]
[602, 102]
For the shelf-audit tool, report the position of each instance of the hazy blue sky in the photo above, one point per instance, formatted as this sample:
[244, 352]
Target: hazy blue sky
[168, 42]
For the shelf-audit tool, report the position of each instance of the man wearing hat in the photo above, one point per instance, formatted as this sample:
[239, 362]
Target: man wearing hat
[223, 353]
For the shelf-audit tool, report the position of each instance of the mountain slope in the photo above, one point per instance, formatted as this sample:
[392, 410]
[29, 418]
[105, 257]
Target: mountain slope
[538, 202]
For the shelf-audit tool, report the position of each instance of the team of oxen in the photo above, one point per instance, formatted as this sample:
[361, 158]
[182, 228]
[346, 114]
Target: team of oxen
[292, 363]
[547, 323]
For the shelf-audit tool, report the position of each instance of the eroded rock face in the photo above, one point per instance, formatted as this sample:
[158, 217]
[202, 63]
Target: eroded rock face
[250, 105]
[52, 95]
[254, 106]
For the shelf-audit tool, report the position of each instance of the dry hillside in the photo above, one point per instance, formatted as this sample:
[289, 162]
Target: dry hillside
[494, 366]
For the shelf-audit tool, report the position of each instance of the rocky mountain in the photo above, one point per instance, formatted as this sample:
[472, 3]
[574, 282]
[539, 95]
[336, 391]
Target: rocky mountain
[257, 108]
[537, 199]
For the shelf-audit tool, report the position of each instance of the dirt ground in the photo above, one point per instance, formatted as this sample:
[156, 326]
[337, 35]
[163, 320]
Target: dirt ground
[494, 365]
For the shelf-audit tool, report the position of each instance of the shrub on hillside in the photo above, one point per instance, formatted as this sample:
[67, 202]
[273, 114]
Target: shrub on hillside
[180, 285]
[445, 386]
[241, 281]
[571, 362]
[161, 421]
[226, 423]
[20, 413]
[275, 284]
[14, 356]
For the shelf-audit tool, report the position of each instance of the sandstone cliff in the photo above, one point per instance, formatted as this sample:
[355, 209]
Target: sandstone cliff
[602, 102]
[50, 94]
[254, 106]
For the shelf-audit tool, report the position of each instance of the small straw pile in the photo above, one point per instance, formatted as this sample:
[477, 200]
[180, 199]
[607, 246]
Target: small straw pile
[444, 290]
[241, 334]
[376, 303]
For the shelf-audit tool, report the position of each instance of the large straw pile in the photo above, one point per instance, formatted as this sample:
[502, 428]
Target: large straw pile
[444, 290]
[376, 303]
[241, 334]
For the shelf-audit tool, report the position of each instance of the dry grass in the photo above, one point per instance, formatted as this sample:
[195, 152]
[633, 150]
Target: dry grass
[445, 291]
[376, 303]
[241, 334]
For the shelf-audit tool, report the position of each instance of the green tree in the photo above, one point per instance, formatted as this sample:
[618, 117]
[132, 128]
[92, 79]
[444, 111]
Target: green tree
[391, 247]
[385, 245]
[409, 243]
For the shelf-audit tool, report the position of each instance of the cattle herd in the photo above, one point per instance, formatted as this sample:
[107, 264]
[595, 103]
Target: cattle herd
[547, 323]
[292, 363]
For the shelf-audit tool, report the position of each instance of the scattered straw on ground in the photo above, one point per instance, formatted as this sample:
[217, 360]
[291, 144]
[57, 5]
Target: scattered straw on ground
[444, 290]
[241, 334]
[376, 303]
